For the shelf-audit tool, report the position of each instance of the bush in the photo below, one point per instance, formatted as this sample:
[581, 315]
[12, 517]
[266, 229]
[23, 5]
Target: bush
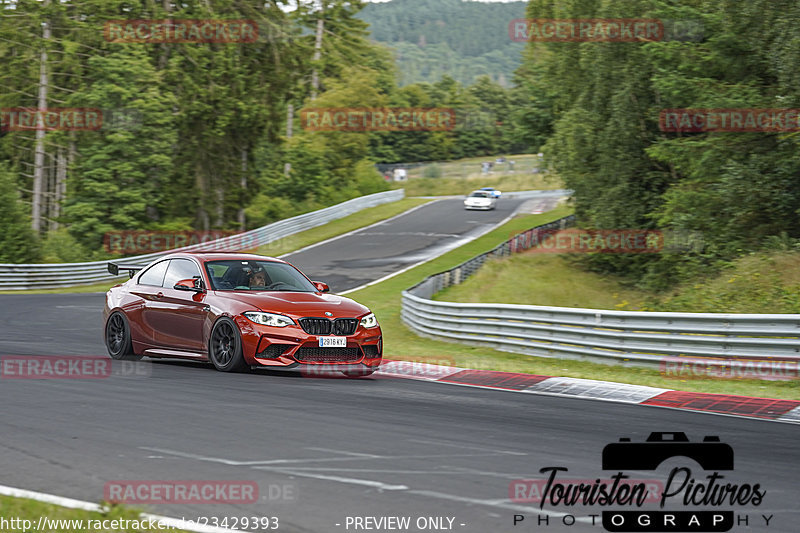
[59, 246]
[432, 171]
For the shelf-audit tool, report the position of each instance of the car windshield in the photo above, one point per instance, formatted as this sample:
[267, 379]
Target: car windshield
[239, 275]
[479, 194]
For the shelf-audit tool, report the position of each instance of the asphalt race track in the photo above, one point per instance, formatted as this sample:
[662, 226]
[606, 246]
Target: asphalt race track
[323, 450]
[371, 253]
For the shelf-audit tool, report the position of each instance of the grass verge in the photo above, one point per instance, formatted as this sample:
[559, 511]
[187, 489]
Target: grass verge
[401, 343]
[542, 279]
[31, 510]
[281, 246]
[464, 186]
[470, 167]
[463, 176]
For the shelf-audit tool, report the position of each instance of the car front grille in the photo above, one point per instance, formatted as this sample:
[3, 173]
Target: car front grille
[371, 350]
[325, 326]
[327, 355]
[345, 326]
[274, 350]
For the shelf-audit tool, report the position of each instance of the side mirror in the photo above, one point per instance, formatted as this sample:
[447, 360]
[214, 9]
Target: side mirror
[191, 284]
[321, 287]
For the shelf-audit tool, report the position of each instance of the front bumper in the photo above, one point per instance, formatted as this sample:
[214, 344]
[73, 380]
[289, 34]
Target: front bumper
[290, 347]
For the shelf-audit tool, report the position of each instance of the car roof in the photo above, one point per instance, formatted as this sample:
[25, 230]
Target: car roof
[205, 256]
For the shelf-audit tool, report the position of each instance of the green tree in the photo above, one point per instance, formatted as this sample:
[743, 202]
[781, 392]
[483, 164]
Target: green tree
[122, 177]
[18, 244]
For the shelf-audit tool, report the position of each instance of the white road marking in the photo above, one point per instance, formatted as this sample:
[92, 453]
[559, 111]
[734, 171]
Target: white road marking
[352, 481]
[593, 389]
[455, 471]
[413, 233]
[791, 416]
[187, 455]
[360, 470]
[70, 503]
[441, 443]
[50, 498]
[343, 452]
[269, 462]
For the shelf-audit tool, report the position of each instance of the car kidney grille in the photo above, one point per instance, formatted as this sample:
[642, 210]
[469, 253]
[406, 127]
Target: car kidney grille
[327, 355]
[325, 326]
[316, 326]
[345, 326]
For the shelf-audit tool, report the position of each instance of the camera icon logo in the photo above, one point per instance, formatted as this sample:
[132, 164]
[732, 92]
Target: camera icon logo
[711, 454]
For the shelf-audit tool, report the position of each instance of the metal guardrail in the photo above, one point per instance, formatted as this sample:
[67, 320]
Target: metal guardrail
[640, 338]
[53, 275]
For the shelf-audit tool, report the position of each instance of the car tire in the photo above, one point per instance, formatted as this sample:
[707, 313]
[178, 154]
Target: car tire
[225, 347]
[118, 338]
[357, 373]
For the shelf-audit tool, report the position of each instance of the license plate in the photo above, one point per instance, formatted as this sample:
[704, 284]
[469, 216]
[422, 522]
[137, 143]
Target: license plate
[332, 342]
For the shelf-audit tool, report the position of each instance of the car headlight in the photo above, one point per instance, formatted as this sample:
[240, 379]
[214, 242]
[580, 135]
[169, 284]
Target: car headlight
[369, 321]
[269, 319]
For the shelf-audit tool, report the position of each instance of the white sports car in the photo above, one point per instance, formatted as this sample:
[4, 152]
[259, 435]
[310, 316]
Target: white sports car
[480, 200]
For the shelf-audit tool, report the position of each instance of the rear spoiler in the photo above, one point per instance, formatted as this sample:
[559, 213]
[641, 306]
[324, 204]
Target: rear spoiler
[114, 269]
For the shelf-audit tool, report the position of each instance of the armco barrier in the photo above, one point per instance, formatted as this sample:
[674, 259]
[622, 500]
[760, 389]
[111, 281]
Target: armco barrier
[640, 338]
[45, 276]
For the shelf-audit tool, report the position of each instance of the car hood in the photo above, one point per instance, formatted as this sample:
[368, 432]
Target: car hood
[298, 303]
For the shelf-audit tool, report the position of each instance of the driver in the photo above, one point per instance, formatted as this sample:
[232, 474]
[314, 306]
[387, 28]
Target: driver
[258, 278]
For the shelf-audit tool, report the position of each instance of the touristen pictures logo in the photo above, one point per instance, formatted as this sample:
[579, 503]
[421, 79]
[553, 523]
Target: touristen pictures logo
[709, 501]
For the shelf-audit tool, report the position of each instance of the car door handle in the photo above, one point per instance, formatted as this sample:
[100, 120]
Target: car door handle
[159, 295]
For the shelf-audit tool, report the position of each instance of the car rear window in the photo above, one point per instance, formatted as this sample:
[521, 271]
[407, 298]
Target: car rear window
[154, 275]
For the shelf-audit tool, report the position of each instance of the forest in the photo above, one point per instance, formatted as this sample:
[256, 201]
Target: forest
[436, 38]
[739, 189]
[207, 135]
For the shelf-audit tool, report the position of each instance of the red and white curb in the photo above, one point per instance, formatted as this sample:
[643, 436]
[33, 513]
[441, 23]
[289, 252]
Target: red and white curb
[721, 404]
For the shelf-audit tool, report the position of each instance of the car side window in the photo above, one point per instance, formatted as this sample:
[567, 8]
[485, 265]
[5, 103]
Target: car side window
[180, 269]
[154, 275]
